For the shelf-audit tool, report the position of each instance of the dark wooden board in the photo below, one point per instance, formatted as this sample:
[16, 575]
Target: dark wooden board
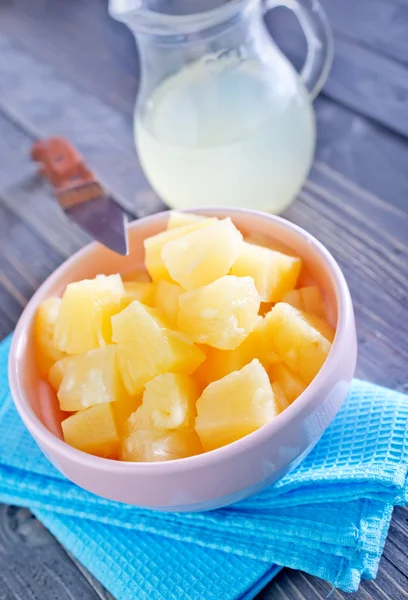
[362, 151]
[65, 68]
[381, 25]
[41, 568]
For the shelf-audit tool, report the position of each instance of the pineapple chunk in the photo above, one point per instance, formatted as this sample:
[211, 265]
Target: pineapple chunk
[145, 348]
[313, 301]
[259, 345]
[56, 373]
[297, 342]
[235, 406]
[122, 409]
[84, 319]
[186, 356]
[143, 291]
[308, 299]
[90, 379]
[194, 259]
[294, 298]
[180, 219]
[274, 273]
[311, 298]
[169, 402]
[221, 314]
[167, 300]
[321, 325]
[220, 363]
[153, 247]
[280, 399]
[292, 386]
[46, 353]
[93, 431]
[154, 445]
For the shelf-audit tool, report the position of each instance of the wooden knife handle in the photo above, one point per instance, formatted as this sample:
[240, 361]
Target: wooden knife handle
[66, 170]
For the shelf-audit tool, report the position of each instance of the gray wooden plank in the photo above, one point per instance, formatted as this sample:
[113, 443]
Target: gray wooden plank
[379, 24]
[14, 149]
[81, 41]
[54, 107]
[33, 202]
[389, 583]
[363, 152]
[33, 566]
[395, 549]
[26, 260]
[25, 255]
[369, 83]
[397, 544]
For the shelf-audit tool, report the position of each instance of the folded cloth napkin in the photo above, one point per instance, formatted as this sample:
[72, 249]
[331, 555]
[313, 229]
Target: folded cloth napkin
[329, 517]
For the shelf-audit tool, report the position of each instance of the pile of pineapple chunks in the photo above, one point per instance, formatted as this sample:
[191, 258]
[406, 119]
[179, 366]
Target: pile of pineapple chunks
[205, 345]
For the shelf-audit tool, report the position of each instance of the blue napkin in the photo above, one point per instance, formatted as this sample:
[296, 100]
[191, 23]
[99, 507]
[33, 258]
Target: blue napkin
[329, 517]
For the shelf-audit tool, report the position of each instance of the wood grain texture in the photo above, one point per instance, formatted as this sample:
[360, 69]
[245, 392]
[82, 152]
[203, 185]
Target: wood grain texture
[373, 260]
[380, 25]
[66, 68]
[14, 149]
[362, 151]
[41, 569]
[79, 39]
[26, 260]
[52, 108]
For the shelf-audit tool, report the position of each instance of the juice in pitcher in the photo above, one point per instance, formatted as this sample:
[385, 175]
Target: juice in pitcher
[226, 136]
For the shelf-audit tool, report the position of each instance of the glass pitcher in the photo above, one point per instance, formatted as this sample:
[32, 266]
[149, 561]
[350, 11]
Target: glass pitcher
[221, 117]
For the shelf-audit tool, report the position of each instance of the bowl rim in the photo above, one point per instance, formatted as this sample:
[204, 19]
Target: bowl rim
[48, 440]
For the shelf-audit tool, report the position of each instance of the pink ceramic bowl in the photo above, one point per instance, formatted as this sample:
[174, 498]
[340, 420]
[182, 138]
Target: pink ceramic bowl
[215, 478]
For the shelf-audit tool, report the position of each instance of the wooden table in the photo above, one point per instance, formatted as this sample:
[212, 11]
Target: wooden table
[66, 68]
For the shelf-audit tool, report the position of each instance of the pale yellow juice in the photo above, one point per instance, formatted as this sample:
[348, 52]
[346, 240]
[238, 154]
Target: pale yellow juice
[210, 136]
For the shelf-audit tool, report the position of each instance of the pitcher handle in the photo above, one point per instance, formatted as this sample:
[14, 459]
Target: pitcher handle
[319, 38]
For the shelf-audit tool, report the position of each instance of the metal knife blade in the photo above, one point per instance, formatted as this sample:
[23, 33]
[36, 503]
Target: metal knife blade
[80, 195]
[104, 220]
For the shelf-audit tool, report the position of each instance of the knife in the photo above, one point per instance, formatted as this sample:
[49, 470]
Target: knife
[80, 195]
